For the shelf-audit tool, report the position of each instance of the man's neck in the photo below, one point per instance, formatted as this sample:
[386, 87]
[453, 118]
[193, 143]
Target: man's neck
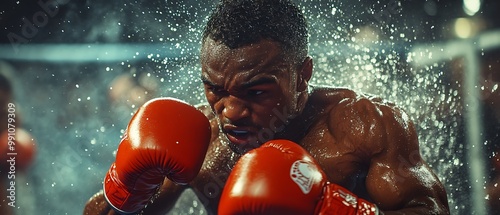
[298, 124]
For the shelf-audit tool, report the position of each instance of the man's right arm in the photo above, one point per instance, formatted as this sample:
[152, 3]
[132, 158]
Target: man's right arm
[165, 199]
[158, 144]
[97, 205]
[163, 202]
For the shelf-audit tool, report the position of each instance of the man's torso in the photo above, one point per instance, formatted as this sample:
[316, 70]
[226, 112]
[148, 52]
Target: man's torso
[343, 162]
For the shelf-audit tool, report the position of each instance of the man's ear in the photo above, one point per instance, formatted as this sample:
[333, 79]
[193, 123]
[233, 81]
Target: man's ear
[304, 74]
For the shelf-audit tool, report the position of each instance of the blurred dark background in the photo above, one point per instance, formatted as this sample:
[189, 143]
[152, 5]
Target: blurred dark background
[139, 21]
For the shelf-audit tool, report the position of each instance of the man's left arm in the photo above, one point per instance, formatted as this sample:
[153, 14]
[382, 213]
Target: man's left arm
[399, 181]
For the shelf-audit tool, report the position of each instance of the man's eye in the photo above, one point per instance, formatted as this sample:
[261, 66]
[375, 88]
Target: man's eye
[216, 90]
[255, 92]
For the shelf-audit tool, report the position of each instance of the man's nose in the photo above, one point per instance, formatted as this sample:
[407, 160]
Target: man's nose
[235, 108]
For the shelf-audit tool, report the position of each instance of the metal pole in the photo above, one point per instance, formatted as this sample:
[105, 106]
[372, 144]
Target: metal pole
[474, 127]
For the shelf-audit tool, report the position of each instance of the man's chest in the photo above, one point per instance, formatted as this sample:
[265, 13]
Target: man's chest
[210, 181]
[339, 161]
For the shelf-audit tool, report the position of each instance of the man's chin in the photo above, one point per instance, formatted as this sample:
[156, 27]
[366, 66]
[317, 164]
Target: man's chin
[242, 148]
[242, 144]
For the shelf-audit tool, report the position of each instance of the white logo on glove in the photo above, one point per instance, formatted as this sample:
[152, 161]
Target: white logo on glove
[301, 174]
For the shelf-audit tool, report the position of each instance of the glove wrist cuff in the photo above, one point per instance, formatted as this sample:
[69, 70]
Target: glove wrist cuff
[338, 200]
[118, 211]
[121, 199]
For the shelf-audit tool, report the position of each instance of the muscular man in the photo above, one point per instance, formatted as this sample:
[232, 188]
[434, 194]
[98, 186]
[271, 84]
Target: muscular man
[256, 72]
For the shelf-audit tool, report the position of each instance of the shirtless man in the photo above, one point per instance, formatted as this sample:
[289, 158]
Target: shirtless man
[256, 72]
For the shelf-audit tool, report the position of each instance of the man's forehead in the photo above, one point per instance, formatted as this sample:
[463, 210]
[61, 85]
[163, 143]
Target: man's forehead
[211, 48]
[261, 49]
[265, 54]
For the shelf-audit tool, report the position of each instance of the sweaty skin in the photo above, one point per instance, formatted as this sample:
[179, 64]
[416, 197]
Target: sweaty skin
[363, 143]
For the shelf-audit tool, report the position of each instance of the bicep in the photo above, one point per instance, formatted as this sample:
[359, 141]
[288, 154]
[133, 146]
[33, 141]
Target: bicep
[398, 177]
[386, 138]
[403, 183]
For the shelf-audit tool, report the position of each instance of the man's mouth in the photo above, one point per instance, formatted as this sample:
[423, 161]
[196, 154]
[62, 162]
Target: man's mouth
[238, 135]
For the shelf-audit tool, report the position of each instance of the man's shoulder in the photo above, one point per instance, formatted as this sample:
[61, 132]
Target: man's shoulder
[205, 109]
[346, 104]
[362, 118]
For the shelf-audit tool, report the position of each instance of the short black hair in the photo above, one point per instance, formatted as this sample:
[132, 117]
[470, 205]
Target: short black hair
[236, 23]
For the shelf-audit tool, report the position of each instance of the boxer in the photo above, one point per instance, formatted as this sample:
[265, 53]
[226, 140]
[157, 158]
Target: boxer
[256, 72]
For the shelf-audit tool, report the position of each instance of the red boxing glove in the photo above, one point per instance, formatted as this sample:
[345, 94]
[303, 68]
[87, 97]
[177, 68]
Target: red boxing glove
[339, 200]
[280, 177]
[165, 138]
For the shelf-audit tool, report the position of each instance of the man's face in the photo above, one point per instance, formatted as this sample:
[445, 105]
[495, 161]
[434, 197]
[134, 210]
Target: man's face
[252, 91]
